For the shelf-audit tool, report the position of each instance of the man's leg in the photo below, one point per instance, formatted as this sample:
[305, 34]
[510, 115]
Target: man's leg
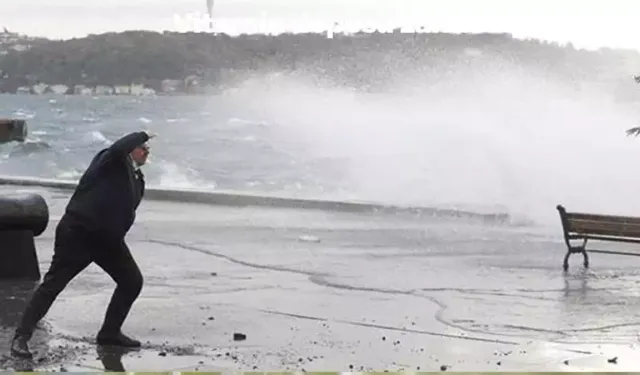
[69, 259]
[122, 268]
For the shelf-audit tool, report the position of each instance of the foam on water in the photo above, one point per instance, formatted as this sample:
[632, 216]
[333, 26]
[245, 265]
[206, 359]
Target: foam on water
[23, 114]
[174, 176]
[97, 137]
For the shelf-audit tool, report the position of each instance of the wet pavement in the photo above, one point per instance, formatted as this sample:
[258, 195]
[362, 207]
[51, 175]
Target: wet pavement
[319, 291]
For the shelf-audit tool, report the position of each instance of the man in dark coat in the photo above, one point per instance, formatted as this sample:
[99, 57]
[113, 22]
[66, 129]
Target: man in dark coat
[98, 216]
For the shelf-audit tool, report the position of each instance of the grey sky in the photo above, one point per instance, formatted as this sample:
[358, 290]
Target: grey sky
[587, 23]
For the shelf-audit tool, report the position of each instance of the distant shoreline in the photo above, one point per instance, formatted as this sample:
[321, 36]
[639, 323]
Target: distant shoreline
[148, 63]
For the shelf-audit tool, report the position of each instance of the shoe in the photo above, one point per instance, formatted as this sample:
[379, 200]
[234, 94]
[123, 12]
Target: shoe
[118, 339]
[20, 347]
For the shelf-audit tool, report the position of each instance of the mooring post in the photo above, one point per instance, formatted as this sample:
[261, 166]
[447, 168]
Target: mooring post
[13, 130]
[22, 218]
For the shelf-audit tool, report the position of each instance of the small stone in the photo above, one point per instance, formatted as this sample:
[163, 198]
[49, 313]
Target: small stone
[214, 274]
[566, 362]
[211, 318]
[613, 360]
[239, 336]
[443, 368]
[162, 354]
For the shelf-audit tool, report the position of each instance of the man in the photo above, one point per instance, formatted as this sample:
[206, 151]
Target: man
[98, 216]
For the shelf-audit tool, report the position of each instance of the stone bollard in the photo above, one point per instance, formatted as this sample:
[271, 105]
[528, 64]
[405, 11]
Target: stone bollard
[22, 218]
[13, 130]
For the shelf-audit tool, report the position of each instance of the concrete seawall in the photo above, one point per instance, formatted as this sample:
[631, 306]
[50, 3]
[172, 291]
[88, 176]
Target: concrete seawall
[238, 199]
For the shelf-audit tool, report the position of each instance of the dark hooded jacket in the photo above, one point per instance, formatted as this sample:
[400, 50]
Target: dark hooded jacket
[110, 190]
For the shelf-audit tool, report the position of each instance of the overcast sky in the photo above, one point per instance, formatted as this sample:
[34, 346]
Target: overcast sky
[586, 23]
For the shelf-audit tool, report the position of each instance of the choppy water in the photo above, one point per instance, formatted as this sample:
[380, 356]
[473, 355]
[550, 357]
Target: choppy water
[203, 142]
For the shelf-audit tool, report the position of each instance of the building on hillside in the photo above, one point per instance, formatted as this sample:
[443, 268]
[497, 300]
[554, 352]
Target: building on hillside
[39, 88]
[103, 90]
[122, 90]
[170, 85]
[59, 89]
[82, 90]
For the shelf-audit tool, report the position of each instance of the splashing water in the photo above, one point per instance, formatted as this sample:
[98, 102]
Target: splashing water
[502, 137]
[173, 176]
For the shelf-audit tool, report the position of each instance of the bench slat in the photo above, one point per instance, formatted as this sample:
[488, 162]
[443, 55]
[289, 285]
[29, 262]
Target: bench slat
[615, 252]
[577, 236]
[608, 218]
[603, 228]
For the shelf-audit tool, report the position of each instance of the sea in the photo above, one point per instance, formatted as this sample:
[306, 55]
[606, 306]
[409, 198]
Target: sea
[510, 143]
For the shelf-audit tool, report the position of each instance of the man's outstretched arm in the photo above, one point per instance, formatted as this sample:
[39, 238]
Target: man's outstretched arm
[118, 150]
[125, 145]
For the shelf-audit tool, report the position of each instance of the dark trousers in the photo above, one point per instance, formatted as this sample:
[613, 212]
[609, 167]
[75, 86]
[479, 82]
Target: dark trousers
[74, 250]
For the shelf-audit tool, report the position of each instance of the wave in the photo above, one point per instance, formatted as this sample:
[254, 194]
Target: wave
[27, 148]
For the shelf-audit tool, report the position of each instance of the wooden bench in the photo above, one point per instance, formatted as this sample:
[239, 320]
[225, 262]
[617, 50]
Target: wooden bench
[585, 227]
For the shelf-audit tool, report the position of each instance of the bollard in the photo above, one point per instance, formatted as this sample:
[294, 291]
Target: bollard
[14, 296]
[22, 218]
[13, 130]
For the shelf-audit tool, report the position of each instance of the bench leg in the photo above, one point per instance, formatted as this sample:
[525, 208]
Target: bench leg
[586, 258]
[576, 249]
[565, 264]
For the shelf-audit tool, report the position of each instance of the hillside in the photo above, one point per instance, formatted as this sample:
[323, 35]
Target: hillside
[367, 61]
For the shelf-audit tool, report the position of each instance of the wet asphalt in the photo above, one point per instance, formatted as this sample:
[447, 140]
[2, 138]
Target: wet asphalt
[267, 289]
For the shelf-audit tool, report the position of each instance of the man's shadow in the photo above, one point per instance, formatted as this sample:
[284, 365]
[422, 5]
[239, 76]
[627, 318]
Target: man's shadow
[111, 357]
[14, 296]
